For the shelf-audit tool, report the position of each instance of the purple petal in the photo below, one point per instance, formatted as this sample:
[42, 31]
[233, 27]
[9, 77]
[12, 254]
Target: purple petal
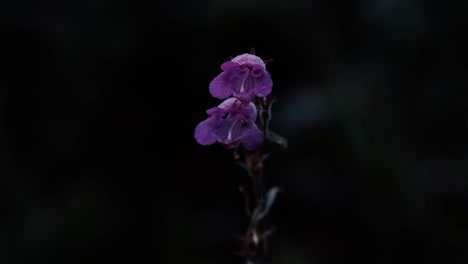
[233, 104]
[263, 85]
[231, 122]
[245, 96]
[230, 82]
[252, 138]
[220, 87]
[249, 111]
[244, 76]
[247, 58]
[204, 132]
[215, 111]
[229, 104]
[226, 66]
[221, 130]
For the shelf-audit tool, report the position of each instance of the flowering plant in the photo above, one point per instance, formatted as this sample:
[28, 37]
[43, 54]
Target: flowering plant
[231, 123]
[240, 123]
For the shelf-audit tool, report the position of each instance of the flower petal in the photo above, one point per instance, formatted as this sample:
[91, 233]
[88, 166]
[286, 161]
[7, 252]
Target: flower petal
[216, 111]
[220, 87]
[263, 85]
[252, 138]
[249, 111]
[204, 132]
[243, 77]
[226, 66]
[231, 123]
[229, 104]
[248, 58]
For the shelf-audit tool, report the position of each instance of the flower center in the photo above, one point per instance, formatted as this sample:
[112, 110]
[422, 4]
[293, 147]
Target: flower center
[236, 127]
[247, 82]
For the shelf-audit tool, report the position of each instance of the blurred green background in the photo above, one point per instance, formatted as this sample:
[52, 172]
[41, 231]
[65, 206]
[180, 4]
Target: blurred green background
[99, 100]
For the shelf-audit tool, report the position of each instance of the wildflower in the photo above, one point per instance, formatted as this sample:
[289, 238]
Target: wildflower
[243, 77]
[231, 123]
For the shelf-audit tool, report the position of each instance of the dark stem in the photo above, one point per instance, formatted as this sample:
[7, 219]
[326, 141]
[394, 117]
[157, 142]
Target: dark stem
[255, 248]
[257, 176]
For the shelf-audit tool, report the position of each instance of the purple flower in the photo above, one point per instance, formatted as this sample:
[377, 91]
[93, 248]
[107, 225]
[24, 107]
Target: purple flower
[242, 77]
[231, 123]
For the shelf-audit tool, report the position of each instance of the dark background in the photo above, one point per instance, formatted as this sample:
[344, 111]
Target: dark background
[99, 100]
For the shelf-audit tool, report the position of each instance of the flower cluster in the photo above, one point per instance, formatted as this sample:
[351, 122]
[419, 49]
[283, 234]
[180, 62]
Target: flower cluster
[233, 122]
